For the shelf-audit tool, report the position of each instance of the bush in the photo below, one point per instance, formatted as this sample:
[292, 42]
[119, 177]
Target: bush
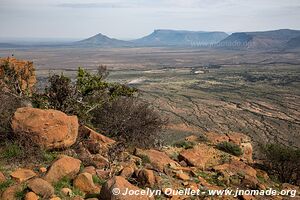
[80, 97]
[283, 162]
[185, 144]
[230, 147]
[8, 105]
[130, 120]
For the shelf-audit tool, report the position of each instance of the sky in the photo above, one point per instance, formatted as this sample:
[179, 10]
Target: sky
[130, 19]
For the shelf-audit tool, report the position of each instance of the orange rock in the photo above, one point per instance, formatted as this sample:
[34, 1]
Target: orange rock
[2, 177]
[43, 169]
[47, 128]
[183, 176]
[248, 197]
[237, 138]
[64, 167]
[216, 138]
[99, 161]
[102, 174]
[10, 192]
[90, 170]
[192, 138]
[117, 186]
[203, 182]
[146, 177]
[41, 187]
[93, 135]
[84, 182]
[202, 156]
[25, 73]
[22, 175]
[159, 160]
[77, 198]
[236, 167]
[127, 171]
[66, 191]
[31, 196]
[55, 198]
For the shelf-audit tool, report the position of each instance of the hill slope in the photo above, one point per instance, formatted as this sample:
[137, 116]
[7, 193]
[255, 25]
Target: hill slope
[102, 41]
[293, 43]
[259, 40]
[180, 38]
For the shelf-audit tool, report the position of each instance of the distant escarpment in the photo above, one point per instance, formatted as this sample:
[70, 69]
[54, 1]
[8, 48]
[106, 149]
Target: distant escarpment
[180, 38]
[277, 39]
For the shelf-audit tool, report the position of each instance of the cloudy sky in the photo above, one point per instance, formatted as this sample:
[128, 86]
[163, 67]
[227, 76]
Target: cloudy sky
[126, 19]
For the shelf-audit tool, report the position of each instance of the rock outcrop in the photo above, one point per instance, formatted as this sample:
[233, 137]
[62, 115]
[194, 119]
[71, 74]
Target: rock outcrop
[202, 156]
[81, 172]
[24, 71]
[50, 129]
[243, 141]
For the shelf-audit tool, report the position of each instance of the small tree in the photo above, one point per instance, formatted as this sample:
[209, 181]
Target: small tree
[283, 162]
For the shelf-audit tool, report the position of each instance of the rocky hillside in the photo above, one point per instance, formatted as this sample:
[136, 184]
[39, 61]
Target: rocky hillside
[101, 40]
[88, 165]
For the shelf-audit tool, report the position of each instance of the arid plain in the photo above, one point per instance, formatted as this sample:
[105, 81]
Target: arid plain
[199, 90]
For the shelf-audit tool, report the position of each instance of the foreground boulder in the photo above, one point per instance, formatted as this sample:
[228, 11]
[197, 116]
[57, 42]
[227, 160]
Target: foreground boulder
[49, 129]
[41, 187]
[84, 182]
[31, 196]
[64, 167]
[10, 192]
[115, 187]
[21, 175]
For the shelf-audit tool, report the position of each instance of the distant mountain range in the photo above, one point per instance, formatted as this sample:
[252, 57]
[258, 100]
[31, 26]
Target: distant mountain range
[283, 39]
[277, 39]
[180, 38]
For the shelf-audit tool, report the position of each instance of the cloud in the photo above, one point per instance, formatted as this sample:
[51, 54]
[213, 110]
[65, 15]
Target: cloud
[90, 5]
[146, 4]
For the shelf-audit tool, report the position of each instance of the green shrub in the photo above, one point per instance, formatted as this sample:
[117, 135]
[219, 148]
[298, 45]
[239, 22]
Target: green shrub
[5, 185]
[66, 183]
[230, 148]
[98, 180]
[283, 162]
[11, 150]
